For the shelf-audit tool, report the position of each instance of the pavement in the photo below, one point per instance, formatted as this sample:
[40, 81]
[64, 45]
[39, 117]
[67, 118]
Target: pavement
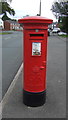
[55, 106]
[0, 67]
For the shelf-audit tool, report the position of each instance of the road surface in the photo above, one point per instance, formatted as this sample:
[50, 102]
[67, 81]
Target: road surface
[11, 58]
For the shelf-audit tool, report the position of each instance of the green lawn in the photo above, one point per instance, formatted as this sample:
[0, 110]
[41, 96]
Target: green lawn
[5, 33]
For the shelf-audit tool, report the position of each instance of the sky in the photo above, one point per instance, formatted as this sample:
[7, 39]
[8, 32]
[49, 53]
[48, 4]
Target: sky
[31, 8]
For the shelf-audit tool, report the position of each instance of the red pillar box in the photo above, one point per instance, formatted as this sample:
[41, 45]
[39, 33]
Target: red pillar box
[35, 57]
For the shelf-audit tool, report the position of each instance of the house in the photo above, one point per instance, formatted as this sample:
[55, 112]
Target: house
[54, 24]
[11, 25]
[1, 24]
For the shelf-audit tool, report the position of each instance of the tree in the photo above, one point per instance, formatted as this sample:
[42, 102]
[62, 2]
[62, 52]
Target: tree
[60, 10]
[6, 1]
[63, 23]
[5, 7]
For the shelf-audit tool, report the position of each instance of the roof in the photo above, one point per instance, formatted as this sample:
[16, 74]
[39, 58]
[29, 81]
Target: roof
[10, 21]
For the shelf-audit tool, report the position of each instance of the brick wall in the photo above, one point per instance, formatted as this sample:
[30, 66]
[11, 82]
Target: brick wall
[6, 25]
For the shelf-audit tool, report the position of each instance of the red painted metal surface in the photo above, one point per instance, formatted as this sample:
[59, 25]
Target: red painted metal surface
[36, 19]
[35, 35]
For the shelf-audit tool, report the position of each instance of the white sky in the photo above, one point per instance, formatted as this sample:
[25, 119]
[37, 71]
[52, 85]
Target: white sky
[31, 7]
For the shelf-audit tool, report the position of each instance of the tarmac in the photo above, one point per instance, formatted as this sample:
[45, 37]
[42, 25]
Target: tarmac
[55, 106]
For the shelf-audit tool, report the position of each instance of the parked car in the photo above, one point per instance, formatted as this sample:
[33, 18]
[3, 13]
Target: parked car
[48, 32]
[56, 30]
[62, 33]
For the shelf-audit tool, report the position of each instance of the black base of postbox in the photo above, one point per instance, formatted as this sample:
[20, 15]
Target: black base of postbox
[34, 99]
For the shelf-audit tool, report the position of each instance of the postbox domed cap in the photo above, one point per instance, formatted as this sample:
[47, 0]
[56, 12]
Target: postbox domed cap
[35, 19]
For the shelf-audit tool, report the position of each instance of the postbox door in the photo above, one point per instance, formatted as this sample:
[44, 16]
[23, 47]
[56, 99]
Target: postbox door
[35, 62]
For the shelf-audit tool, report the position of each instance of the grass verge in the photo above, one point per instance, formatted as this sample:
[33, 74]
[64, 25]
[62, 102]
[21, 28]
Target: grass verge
[5, 33]
[64, 36]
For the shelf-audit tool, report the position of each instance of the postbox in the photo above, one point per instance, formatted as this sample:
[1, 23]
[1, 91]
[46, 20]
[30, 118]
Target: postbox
[35, 32]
